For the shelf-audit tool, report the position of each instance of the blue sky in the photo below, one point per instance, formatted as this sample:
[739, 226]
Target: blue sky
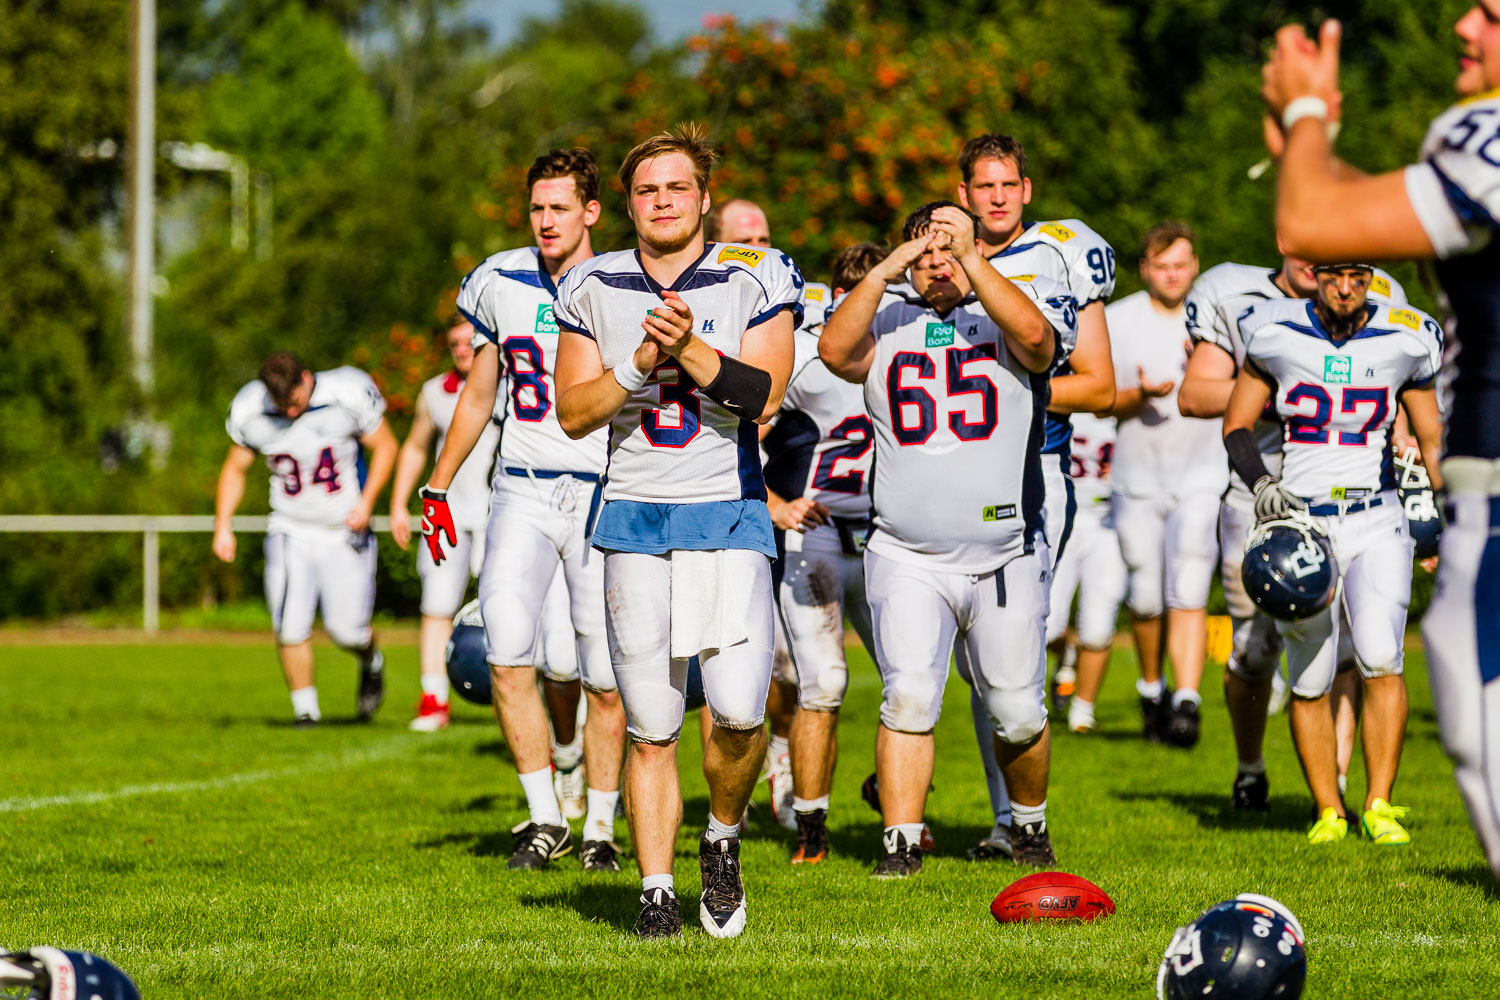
[670, 18]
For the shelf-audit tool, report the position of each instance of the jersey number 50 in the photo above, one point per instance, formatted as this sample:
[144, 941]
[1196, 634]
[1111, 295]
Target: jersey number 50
[913, 400]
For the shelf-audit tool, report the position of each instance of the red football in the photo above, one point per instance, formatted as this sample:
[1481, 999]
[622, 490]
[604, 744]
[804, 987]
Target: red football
[1051, 896]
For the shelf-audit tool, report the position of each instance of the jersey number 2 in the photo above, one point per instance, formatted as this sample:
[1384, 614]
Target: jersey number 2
[1313, 428]
[858, 434]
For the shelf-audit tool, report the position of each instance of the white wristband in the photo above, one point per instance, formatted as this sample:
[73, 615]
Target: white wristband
[629, 376]
[1303, 107]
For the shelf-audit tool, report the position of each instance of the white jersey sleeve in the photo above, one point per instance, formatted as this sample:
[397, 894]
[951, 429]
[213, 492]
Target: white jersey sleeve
[818, 303]
[1090, 259]
[1058, 305]
[356, 392]
[1455, 189]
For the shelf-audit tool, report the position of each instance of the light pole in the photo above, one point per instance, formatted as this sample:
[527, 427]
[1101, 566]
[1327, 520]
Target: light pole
[142, 189]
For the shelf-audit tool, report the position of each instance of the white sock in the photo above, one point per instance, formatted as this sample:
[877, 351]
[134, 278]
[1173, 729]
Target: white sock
[656, 882]
[305, 702]
[600, 822]
[541, 800]
[566, 756]
[718, 831]
[1149, 689]
[1186, 694]
[1032, 816]
[912, 832]
[1257, 767]
[808, 805]
[1080, 711]
[780, 745]
[1343, 784]
[437, 686]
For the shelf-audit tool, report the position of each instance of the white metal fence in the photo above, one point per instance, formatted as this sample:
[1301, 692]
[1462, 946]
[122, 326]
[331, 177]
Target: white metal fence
[150, 527]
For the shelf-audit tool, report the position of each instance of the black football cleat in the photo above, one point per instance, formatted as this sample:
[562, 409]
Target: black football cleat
[661, 915]
[1064, 686]
[870, 792]
[1032, 845]
[1252, 793]
[996, 844]
[1183, 725]
[599, 856]
[902, 860]
[537, 844]
[1155, 714]
[371, 685]
[721, 908]
[304, 722]
[812, 837]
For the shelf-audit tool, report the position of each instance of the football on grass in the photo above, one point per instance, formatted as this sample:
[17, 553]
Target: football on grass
[1051, 896]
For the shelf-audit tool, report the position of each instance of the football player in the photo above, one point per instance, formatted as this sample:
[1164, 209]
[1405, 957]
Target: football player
[542, 507]
[954, 364]
[320, 552]
[443, 587]
[1219, 297]
[680, 349]
[1334, 370]
[737, 220]
[1444, 207]
[1092, 566]
[1168, 474]
[817, 485]
[995, 186]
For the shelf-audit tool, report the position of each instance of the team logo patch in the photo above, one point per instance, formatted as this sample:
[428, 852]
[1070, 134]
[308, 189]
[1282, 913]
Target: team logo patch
[545, 321]
[1058, 232]
[1380, 286]
[1348, 493]
[744, 255]
[1000, 513]
[1020, 277]
[940, 334]
[1406, 318]
[1336, 369]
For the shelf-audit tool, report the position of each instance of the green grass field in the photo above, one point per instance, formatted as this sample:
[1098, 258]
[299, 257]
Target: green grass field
[159, 809]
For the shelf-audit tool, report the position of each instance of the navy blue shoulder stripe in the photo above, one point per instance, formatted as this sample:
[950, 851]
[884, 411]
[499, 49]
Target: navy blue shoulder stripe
[1469, 211]
[529, 277]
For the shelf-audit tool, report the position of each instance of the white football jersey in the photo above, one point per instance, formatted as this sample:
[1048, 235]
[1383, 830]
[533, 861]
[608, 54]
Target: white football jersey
[1455, 192]
[823, 441]
[1227, 291]
[818, 303]
[1337, 401]
[1093, 451]
[1159, 452]
[317, 463]
[469, 492]
[669, 443]
[958, 435]
[509, 299]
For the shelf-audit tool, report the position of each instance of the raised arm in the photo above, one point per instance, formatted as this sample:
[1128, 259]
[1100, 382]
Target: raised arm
[1028, 336]
[227, 497]
[409, 465]
[846, 344]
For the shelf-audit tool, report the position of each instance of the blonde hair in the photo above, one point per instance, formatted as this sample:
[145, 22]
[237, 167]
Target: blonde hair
[688, 138]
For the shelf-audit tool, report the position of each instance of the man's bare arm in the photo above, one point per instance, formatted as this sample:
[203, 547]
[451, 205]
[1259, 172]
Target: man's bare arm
[1090, 386]
[409, 466]
[1208, 382]
[476, 404]
[227, 497]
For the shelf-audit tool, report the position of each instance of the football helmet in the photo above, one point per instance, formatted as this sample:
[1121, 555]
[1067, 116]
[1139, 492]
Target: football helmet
[1247, 948]
[1289, 569]
[54, 974]
[1423, 519]
[468, 670]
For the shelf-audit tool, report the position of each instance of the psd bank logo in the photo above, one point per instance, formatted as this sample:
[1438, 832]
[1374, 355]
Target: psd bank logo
[545, 321]
[1337, 369]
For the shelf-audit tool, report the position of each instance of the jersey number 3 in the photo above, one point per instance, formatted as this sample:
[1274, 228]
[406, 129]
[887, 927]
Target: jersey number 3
[674, 422]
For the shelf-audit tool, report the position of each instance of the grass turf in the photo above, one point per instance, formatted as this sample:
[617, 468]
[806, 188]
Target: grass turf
[159, 809]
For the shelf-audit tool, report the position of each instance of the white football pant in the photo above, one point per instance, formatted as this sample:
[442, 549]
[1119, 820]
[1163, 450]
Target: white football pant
[1256, 647]
[444, 586]
[1093, 568]
[1170, 544]
[557, 647]
[315, 565]
[821, 583]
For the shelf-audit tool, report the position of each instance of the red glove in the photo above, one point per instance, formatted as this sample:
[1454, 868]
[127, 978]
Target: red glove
[437, 520]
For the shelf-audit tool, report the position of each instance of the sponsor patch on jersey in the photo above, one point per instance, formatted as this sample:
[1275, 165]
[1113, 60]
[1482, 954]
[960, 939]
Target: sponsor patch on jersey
[1337, 369]
[1406, 318]
[1020, 277]
[1058, 232]
[814, 294]
[1000, 513]
[742, 254]
[1348, 493]
[1380, 286]
[545, 321]
[940, 334]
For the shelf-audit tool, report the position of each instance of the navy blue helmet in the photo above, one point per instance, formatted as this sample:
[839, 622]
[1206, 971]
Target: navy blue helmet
[54, 974]
[468, 670]
[1248, 948]
[1423, 519]
[1289, 570]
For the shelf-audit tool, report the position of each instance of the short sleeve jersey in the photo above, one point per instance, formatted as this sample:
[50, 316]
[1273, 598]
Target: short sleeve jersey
[1455, 191]
[1093, 450]
[823, 441]
[670, 443]
[1073, 255]
[509, 299]
[1159, 452]
[1337, 401]
[468, 493]
[958, 435]
[818, 303]
[1225, 292]
[316, 461]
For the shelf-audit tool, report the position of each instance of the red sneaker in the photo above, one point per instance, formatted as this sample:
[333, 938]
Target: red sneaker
[432, 715]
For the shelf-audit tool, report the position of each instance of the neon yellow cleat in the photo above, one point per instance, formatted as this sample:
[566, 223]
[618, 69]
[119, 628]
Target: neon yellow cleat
[1380, 824]
[1329, 829]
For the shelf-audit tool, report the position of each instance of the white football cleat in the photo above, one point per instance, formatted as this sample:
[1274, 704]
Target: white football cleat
[779, 779]
[572, 792]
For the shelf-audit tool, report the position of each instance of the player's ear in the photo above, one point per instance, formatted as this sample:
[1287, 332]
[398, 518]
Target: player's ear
[705, 204]
[963, 194]
[1026, 190]
[591, 213]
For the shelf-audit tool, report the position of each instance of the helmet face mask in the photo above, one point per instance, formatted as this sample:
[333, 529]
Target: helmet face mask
[1248, 948]
[1424, 521]
[1289, 570]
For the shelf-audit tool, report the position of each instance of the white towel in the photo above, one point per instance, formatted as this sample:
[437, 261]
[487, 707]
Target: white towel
[708, 602]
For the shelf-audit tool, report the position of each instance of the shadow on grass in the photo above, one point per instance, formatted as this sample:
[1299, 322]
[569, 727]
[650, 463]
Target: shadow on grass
[612, 902]
[491, 844]
[1479, 876]
[493, 748]
[1214, 812]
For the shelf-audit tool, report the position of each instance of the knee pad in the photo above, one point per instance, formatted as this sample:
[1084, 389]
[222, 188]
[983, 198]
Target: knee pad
[1145, 599]
[821, 687]
[353, 639]
[1188, 581]
[911, 703]
[1391, 666]
[1019, 716]
[1256, 648]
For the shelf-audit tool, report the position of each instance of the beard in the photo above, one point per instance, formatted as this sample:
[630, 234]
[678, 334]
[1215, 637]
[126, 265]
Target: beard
[670, 243]
[1341, 326]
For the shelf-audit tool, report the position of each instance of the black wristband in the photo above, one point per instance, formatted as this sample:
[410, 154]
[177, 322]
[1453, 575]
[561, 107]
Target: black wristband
[1244, 456]
[740, 388]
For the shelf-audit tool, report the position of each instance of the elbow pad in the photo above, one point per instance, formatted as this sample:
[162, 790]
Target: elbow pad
[740, 388]
[1244, 456]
